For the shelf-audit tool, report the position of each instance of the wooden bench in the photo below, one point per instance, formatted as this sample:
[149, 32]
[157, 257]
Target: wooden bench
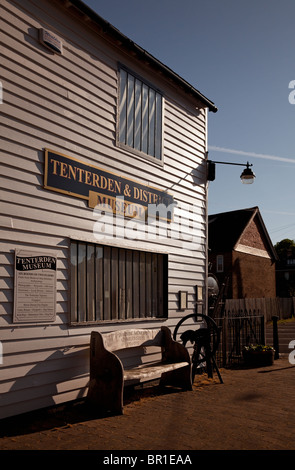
[108, 375]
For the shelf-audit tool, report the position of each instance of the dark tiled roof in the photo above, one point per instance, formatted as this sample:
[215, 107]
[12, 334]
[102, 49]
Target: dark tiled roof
[226, 228]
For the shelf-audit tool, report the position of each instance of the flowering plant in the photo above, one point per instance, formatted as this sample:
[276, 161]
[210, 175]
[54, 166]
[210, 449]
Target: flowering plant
[258, 347]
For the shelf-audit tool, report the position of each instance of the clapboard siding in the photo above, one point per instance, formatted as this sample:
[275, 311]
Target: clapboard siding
[48, 85]
[50, 364]
[171, 179]
[77, 47]
[68, 103]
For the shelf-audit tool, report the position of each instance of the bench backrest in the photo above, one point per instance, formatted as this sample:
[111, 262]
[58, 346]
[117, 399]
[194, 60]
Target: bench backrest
[132, 338]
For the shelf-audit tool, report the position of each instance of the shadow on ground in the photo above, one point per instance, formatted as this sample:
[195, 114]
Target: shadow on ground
[77, 411]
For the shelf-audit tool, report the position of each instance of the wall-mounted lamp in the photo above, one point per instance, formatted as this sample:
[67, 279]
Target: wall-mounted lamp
[247, 175]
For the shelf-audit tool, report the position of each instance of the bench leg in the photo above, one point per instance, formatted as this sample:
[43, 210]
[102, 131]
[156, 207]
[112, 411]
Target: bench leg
[178, 378]
[105, 392]
[106, 396]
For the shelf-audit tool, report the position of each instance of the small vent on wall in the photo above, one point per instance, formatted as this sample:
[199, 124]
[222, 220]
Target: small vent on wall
[50, 41]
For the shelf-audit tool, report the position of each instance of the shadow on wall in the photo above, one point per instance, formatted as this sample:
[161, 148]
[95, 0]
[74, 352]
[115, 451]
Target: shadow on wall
[238, 278]
[62, 376]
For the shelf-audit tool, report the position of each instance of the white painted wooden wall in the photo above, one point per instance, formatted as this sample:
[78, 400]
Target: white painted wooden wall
[68, 103]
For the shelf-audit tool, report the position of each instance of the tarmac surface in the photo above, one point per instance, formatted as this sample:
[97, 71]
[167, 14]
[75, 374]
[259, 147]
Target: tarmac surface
[254, 409]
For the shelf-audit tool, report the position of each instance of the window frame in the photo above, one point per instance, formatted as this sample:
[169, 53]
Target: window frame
[134, 263]
[125, 146]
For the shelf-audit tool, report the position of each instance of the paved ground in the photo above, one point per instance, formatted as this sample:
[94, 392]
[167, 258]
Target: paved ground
[254, 409]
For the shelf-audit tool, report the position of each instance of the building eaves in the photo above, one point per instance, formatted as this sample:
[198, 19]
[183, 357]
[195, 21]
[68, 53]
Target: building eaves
[141, 53]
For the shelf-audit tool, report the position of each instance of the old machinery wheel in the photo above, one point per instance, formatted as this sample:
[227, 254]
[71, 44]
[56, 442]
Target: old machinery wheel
[204, 335]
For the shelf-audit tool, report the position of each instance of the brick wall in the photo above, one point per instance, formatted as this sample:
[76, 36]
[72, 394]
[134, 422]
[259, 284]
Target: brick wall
[253, 236]
[253, 276]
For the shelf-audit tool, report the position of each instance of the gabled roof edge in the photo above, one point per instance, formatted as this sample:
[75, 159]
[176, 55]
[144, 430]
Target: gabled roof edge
[256, 212]
[128, 43]
[274, 253]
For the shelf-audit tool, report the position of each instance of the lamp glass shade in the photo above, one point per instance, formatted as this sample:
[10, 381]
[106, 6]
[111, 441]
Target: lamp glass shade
[247, 176]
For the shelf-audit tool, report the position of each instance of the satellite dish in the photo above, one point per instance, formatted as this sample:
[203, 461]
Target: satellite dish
[213, 291]
[213, 287]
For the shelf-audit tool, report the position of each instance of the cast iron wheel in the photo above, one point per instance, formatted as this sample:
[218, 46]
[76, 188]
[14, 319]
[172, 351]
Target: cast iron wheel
[205, 341]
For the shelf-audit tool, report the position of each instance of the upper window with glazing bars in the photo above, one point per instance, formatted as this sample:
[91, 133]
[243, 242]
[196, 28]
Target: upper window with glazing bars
[140, 115]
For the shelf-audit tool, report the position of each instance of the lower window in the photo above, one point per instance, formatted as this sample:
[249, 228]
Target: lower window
[110, 283]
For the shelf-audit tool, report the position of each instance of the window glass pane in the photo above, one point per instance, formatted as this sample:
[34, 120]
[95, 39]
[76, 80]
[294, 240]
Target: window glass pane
[122, 285]
[135, 287]
[142, 285]
[148, 281]
[82, 309]
[74, 284]
[160, 295]
[137, 116]
[129, 289]
[145, 118]
[107, 283]
[114, 283]
[151, 131]
[154, 275]
[123, 106]
[219, 263]
[99, 283]
[130, 111]
[158, 127]
[90, 267]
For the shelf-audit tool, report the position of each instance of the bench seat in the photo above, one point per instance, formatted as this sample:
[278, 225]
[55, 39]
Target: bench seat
[150, 372]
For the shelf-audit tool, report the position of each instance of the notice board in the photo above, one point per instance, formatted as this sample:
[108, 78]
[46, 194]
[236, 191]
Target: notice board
[34, 287]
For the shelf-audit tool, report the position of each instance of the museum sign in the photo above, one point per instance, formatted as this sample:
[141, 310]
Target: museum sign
[124, 196]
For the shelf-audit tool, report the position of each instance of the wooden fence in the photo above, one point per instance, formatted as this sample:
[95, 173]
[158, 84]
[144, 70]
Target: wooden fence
[268, 307]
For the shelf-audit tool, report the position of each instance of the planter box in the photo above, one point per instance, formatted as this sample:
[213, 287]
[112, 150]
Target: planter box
[259, 358]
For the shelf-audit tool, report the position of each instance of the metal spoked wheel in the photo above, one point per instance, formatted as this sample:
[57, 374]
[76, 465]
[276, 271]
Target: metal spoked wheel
[205, 338]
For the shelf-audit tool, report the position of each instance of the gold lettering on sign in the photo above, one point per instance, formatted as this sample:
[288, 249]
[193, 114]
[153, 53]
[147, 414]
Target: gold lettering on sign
[117, 205]
[65, 170]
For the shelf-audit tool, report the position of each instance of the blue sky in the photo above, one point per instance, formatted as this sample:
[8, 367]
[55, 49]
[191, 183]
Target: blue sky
[241, 55]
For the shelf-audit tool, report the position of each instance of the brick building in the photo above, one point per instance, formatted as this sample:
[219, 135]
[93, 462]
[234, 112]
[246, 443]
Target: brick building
[241, 251]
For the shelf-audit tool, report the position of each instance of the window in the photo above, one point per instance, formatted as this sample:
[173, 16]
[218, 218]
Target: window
[110, 283]
[140, 115]
[219, 263]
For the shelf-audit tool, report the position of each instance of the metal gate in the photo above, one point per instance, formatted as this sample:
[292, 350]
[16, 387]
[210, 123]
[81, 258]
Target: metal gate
[236, 333]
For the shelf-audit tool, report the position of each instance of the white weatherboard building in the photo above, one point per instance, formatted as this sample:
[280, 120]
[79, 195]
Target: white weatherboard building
[103, 196]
